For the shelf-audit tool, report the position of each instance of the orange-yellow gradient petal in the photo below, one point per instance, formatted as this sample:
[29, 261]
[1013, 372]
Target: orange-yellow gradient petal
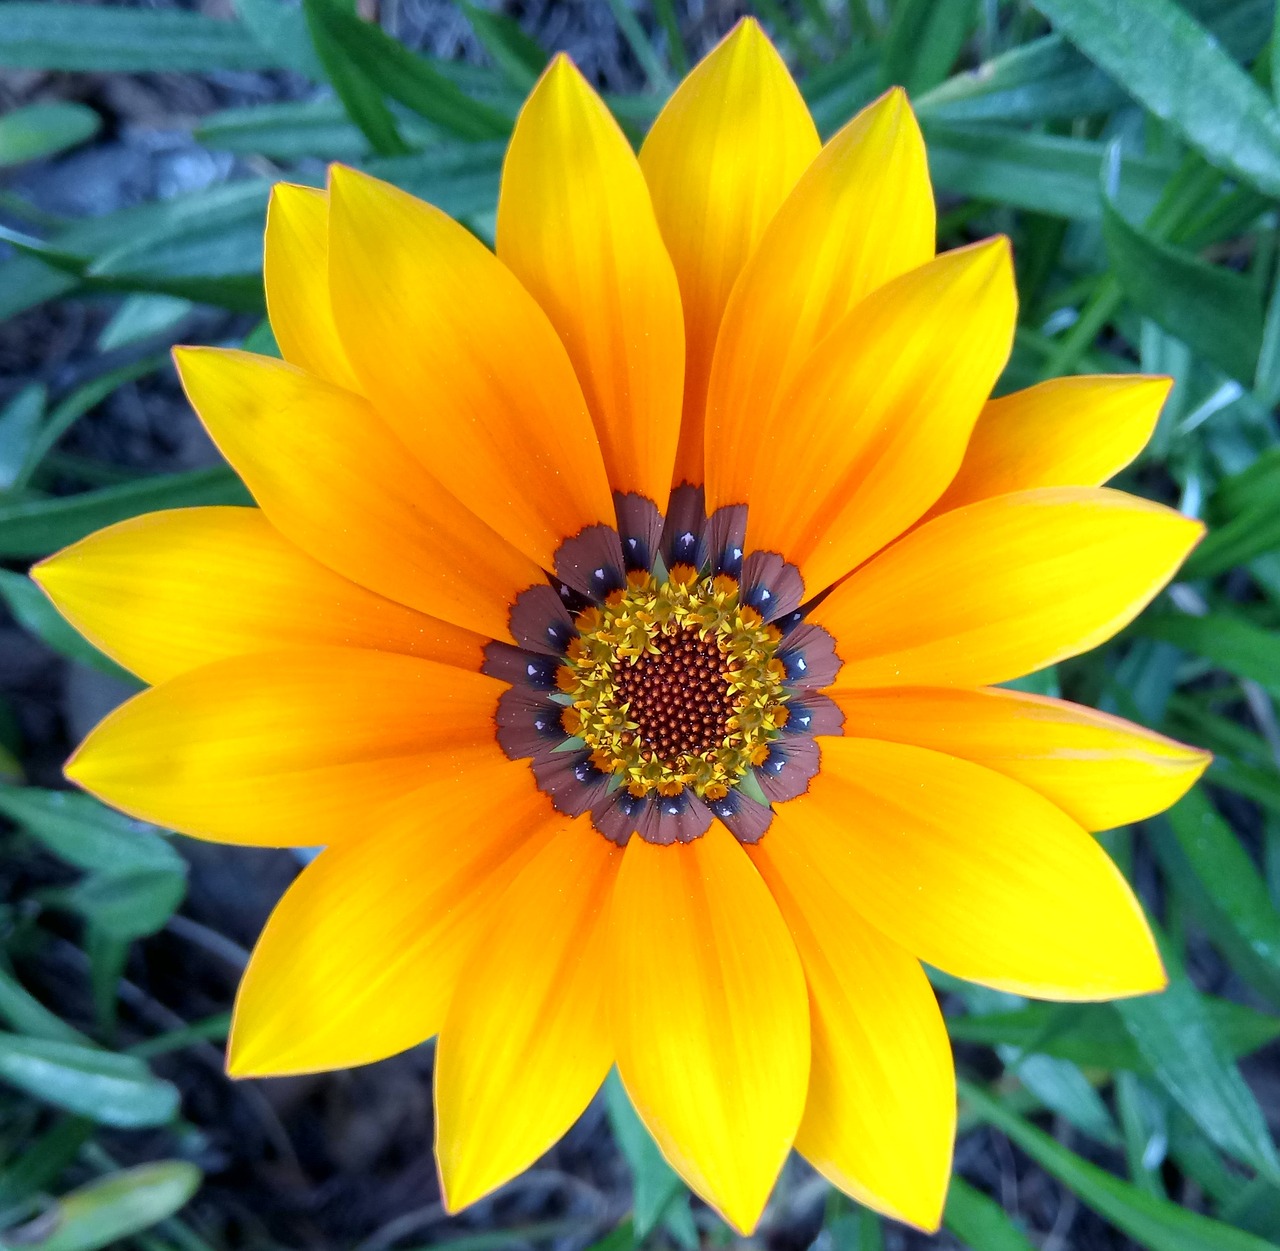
[360, 958]
[1065, 432]
[711, 1018]
[170, 591]
[878, 418]
[1004, 587]
[722, 156]
[1101, 771]
[971, 872]
[457, 356]
[333, 479]
[526, 1042]
[861, 215]
[298, 748]
[295, 272]
[576, 226]
[881, 1114]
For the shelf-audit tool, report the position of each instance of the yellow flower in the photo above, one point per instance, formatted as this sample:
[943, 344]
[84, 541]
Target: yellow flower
[611, 773]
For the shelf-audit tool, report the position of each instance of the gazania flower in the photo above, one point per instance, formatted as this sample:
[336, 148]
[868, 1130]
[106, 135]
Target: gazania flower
[624, 614]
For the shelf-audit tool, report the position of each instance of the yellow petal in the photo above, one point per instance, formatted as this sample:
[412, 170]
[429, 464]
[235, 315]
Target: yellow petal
[332, 478]
[723, 155]
[298, 748]
[526, 1042]
[710, 1017]
[464, 365]
[170, 591]
[881, 1114]
[861, 215]
[1101, 771]
[1003, 587]
[360, 958]
[877, 419]
[971, 872]
[1066, 432]
[576, 226]
[295, 271]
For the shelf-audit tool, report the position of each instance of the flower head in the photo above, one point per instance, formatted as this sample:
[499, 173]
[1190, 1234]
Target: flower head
[624, 614]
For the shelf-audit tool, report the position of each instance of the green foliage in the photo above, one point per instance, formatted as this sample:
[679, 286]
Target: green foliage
[1130, 148]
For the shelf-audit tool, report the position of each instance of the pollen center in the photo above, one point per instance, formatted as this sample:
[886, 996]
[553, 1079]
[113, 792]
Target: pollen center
[679, 695]
[674, 684]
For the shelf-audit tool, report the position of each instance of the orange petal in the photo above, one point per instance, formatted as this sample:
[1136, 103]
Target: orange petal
[1101, 771]
[295, 271]
[877, 419]
[170, 591]
[710, 1017]
[723, 155]
[334, 480]
[1066, 432]
[360, 958]
[298, 748]
[881, 1115]
[526, 1042]
[861, 215]
[1003, 587]
[460, 360]
[576, 226]
[971, 872]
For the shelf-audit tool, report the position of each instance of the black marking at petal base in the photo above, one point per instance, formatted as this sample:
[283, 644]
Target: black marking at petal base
[809, 654]
[748, 821]
[573, 783]
[771, 585]
[639, 528]
[791, 764]
[684, 533]
[814, 715]
[519, 667]
[528, 724]
[619, 815]
[591, 561]
[540, 620]
[727, 532]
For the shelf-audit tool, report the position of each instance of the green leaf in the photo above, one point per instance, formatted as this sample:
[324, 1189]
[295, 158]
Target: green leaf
[107, 1087]
[359, 91]
[19, 423]
[979, 1221]
[924, 40]
[1177, 1037]
[31, 609]
[1041, 173]
[1229, 641]
[42, 1162]
[88, 834]
[38, 130]
[1214, 311]
[26, 283]
[1063, 1088]
[25, 1014]
[461, 179]
[36, 527]
[50, 36]
[405, 76]
[1039, 81]
[1173, 66]
[280, 29]
[654, 1182]
[128, 905]
[142, 317]
[1092, 1036]
[104, 1212]
[286, 131]
[1153, 1222]
[519, 57]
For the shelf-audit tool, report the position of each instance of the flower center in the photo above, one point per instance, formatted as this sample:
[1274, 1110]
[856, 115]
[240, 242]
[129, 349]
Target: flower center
[674, 683]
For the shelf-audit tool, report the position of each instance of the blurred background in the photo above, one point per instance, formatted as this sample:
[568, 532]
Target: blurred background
[1130, 148]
